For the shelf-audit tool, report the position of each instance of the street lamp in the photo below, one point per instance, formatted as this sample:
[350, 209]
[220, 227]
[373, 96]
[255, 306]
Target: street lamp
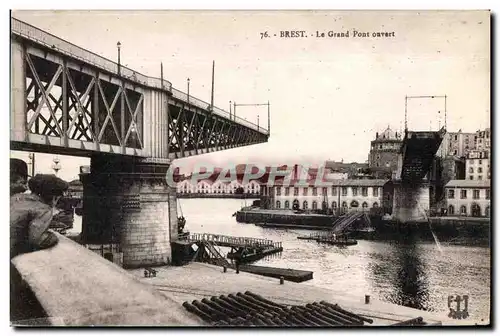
[56, 166]
[31, 156]
[118, 45]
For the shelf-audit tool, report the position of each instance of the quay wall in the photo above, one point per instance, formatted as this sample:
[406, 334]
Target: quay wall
[235, 196]
[255, 216]
[443, 227]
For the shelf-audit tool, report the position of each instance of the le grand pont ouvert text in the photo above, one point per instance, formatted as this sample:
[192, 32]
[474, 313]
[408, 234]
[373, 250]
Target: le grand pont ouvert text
[353, 33]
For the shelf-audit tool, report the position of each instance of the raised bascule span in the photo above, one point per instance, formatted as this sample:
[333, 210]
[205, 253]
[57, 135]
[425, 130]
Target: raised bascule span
[411, 186]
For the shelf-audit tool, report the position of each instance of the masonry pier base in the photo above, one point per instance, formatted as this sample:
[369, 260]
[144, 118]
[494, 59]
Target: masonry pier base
[411, 202]
[128, 203]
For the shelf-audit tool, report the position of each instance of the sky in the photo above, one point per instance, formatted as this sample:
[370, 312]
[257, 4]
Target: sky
[328, 96]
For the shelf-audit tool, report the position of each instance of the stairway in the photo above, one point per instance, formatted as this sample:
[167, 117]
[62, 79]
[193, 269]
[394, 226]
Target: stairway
[344, 222]
[215, 255]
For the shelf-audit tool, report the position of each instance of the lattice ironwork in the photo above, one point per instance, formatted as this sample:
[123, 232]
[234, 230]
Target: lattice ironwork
[65, 102]
[192, 131]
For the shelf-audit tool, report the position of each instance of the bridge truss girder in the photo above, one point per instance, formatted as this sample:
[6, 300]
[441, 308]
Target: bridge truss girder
[194, 131]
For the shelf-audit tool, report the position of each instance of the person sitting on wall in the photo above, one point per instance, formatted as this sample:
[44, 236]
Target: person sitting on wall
[31, 214]
[18, 176]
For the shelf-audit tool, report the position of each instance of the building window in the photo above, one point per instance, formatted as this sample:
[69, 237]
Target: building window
[375, 191]
[480, 177]
[463, 210]
[451, 210]
[304, 192]
[324, 205]
[325, 191]
[296, 204]
[471, 177]
[475, 210]
[287, 191]
[487, 191]
[315, 205]
[334, 191]
[354, 191]
[344, 191]
[480, 169]
[365, 206]
[451, 194]
[344, 205]
[278, 204]
[475, 194]
[334, 205]
[304, 205]
[315, 191]
[487, 211]
[278, 191]
[287, 204]
[471, 170]
[295, 191]
[364, 191]
[375, 205]
[480, 161]
[463, 194]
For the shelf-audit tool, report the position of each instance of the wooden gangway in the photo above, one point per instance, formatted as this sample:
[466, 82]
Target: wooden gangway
[231, 241]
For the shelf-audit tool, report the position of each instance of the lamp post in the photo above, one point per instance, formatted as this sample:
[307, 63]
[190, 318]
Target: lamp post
[118, 46]
[268, 113]
[56, 166]
[31, 156]
[188, 80]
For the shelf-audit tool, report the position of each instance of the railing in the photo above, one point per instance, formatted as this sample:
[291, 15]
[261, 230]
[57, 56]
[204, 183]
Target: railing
[51, 41]
[230, 240]
[42, 37]
[205, 106]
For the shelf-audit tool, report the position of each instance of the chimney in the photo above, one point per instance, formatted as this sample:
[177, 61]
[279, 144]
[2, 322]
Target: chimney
[295, 172]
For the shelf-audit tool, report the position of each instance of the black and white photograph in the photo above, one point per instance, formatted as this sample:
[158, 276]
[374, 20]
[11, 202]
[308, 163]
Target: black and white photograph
[250, 168]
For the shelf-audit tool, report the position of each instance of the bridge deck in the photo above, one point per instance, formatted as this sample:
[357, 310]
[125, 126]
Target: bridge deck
[418, 152]
[39, 36]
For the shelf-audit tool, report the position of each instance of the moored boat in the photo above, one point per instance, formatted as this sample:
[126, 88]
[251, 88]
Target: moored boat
[340, 242]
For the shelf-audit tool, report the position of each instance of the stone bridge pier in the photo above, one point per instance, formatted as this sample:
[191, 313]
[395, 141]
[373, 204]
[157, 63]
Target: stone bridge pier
[411, 201]
[127, 202]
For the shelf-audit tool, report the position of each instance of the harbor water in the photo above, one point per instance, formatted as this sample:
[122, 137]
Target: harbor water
[405, 271]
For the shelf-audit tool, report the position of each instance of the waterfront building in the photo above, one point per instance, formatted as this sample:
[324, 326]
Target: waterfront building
[351, 170]
[384, 151]
[204, 187]
[215, 186]
[453, 168]
[468, 198]
[456, 144]
[477, 165]
[185, 187]
[482, 140]
[346, 194]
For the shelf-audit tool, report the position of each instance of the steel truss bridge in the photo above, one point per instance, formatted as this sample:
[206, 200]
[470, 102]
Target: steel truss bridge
[70, 101]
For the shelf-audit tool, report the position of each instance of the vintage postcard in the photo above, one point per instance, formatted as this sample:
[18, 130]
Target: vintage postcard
[250, 168]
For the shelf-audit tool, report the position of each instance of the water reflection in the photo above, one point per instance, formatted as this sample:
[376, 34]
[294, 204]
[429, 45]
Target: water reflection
[399, 274]
[409, 272]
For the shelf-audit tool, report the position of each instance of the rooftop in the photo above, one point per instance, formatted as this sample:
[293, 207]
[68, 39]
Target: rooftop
[468, 184]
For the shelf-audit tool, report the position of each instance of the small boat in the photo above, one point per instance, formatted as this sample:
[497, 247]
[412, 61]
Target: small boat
[340, 242]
